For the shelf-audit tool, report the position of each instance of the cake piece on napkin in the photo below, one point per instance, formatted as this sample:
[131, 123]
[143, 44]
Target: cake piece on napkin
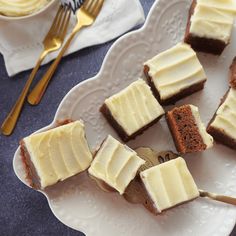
[55, 155]
[223, 125]
[169, 184]
[210, 25]
[115, 164]
[132, 110]
[188, 131]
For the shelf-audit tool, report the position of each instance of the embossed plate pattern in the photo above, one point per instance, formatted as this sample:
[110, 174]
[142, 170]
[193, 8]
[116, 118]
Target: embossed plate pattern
[79, 203]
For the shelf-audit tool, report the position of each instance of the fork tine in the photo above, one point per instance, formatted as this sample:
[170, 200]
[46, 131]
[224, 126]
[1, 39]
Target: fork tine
[87, 4]
[92, 5]
[65, 24]
[97, 8]
[57, 19]
[58, 15]
[60, 21]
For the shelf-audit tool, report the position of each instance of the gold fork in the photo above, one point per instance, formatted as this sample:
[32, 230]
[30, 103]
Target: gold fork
[86, 15]
[52, 42]
[217, 197]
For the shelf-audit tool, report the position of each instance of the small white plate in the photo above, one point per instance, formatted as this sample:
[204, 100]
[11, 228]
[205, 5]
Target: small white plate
[15, 18]
[81, 205]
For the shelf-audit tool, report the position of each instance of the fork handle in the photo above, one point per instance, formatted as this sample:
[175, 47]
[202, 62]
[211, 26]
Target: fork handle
[10, 121]
[38, 91]
[217, 197]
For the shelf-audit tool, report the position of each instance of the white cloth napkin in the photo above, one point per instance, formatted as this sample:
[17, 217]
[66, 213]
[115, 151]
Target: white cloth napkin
[21, 41]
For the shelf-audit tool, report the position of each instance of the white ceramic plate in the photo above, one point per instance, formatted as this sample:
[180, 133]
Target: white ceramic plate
[79, 203]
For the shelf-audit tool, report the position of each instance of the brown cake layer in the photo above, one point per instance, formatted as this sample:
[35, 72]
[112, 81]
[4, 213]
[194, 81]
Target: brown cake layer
[31, 173]
[121, 132]
[184, 130]
[208, 45]
[233, 74]
[218, 134]
[172, 100]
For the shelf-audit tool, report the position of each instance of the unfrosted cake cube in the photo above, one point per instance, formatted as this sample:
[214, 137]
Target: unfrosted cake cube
[210, 25]
[175, 74]
[132, 110]
[223, 125]
[55, 155]
[115, 164]
[188, 131]
[169, 184]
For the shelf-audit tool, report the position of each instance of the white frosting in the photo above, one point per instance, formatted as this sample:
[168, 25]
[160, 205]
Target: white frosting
[134, 107]
[225, 119]
[21, 7]
[169, 184]
[223, 5]
[115, 164]
[174, 70]
[59, 153]
[213, 19]
[207, 138]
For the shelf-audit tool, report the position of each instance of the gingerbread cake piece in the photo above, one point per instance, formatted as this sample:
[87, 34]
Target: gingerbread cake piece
[175, 74]
[169, 184]
[55, 155]
[115, 164]
[132, 110]
[233, 74]
[210, 25]
[188, 131]
[223, 125]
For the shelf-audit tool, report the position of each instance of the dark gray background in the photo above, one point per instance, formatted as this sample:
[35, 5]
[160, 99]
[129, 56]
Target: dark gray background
[24, 212]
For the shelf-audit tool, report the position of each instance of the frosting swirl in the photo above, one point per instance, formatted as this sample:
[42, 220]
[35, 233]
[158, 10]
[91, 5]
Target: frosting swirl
[21, 7]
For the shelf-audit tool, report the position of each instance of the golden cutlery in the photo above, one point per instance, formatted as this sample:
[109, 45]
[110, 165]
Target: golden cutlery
[217, 197]
[52, 42]
[86, 15]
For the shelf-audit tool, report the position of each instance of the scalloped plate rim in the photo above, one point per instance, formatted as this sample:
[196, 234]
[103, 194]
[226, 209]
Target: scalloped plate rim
[76, 87]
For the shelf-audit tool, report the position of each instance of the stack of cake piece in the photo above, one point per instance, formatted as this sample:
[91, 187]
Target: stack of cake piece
[172, 75]
[57, 154]
[167, 185]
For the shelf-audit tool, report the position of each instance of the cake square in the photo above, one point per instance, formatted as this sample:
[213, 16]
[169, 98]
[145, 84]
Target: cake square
[223, 125]
[210, 25]
[115, 164]
[169, 184]
[188, 131]
[55, 155]
[175, 74]
[132, 110]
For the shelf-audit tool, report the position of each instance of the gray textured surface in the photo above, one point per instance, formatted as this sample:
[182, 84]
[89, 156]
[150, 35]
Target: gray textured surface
[24, 212]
